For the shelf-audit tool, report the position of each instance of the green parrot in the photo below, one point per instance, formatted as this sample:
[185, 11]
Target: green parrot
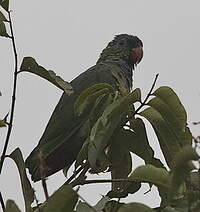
[65, 134]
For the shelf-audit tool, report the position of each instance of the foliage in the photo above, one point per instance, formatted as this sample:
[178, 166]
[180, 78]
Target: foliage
[115, 134]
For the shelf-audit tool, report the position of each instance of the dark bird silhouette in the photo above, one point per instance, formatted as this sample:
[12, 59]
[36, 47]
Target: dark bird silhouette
[65, 134]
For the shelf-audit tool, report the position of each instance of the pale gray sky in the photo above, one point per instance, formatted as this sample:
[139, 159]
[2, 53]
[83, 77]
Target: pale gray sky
[67, 37]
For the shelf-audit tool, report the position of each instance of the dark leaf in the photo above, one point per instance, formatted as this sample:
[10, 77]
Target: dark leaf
[84, 207]
[168, 141]
[120, 160]
[11, 206]
[5, 4]
[27, 190]
[2, 17]
[137, 142]
[64, 199]
[2, 123]
[3, 31]
[30, 65]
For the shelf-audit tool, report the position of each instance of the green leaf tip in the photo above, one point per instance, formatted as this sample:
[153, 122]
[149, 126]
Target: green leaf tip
[29, 64]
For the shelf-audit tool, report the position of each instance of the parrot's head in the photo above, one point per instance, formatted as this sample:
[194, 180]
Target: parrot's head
[125, 47]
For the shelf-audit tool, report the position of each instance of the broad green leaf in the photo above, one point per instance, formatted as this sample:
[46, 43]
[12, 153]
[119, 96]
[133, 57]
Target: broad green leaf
[27, 190]
[30, 65]
[64, 199]
[2, 123]
[107, 123]
[5, 4]
[130, 207]
[151, 174]
[89, 96]
[2, 17]
[3, 31]
[169, 143]
[181, 167]
[136, 141]
[11, 206]
[176, 124]
[172, 101]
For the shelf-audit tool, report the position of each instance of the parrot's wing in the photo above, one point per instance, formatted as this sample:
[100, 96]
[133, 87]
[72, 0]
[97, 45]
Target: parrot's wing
[61, 140]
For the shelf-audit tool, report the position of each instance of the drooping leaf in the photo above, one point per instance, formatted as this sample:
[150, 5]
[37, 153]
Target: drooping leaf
[136, 141]
[5, 4]
[84, 207]
[11, 206]
[27, 190]
[151, 174]
[64, 199]
[168, 96]
[120, 160]
[2, 17]
[168, 141]
[139, 207]
[30, 65]
[3, 31]
[107, 123]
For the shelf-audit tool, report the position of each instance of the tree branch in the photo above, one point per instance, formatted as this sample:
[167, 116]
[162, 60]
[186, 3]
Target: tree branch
[13, 93]
[2, 203]
[85, 182]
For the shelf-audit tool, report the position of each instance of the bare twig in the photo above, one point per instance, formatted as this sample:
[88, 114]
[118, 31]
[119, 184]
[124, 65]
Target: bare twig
[81, 176]
[144, 102]
[43, 169]
[13, 93]
[44, 185]
[76, 172]
[2, 203]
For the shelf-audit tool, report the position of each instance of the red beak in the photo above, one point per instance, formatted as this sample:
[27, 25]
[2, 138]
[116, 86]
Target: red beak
[137, 55]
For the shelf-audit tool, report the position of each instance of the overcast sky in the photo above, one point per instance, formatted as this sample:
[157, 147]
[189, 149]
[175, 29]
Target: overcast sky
[67, 37]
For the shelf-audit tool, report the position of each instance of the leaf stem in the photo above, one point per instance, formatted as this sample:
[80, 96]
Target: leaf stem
[13, 93]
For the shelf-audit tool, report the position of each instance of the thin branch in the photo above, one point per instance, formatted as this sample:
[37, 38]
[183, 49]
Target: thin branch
[85, 182]
[13, 94]
[2, 203]
[144, 102]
